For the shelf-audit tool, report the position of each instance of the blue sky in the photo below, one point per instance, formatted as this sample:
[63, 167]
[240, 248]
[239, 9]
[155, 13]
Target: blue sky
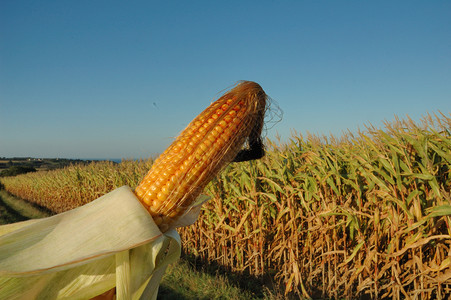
[116, 79]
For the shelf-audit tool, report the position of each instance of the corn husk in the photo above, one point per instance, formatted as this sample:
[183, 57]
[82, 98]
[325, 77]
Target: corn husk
[89, 250]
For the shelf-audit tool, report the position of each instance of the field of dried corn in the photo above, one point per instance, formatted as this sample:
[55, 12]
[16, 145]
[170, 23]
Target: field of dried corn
[365, 214]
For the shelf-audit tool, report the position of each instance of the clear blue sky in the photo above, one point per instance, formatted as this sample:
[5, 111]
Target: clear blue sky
[79, 79]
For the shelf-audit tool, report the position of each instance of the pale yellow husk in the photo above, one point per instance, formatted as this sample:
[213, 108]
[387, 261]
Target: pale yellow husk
[84, 252]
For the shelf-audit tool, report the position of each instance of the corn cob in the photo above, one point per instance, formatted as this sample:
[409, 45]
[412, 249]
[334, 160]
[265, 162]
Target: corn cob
[208, 143]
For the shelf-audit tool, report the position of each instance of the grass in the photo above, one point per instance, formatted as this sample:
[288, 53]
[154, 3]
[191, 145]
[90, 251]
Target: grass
[183, 281]
[13, 209]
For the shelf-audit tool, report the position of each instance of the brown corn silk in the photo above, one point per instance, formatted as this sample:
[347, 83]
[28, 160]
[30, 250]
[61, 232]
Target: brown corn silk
[208, 144]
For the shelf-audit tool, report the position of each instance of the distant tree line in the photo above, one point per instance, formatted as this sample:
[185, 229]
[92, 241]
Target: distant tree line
[16, 170]
[15, 166]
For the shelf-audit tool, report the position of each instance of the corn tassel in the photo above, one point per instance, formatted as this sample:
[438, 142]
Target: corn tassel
[210, 141]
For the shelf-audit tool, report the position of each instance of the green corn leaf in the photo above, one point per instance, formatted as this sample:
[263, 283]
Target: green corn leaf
[420, 176]
[354, 252]
[439, 211]
[331, 183]
[412, 194]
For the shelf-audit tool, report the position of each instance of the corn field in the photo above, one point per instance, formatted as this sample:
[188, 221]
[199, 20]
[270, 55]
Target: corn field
[364, 214]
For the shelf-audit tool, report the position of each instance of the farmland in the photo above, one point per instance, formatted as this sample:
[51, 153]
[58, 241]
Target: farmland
[363, 214]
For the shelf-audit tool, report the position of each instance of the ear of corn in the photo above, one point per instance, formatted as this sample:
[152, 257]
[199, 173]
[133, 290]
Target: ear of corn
[209, 142]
